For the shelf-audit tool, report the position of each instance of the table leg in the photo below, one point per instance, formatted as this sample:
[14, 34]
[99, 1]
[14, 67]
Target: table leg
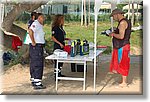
[56, 74]
[84, 76]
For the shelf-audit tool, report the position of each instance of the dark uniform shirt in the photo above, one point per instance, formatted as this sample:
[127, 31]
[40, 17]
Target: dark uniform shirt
[30, 23]
[59, 34]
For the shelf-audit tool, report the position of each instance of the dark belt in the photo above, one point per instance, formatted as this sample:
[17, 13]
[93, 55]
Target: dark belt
[42, 45]
[38, 44]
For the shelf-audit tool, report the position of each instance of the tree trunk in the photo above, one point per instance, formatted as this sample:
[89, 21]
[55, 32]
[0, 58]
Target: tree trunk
[17, 10]
[137, 15]
[89, 14]
[82, 14]
[8, 25]
[129, 10]
[85, 19]
[132, 20]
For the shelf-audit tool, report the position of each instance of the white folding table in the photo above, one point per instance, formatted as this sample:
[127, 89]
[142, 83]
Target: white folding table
[77, 59]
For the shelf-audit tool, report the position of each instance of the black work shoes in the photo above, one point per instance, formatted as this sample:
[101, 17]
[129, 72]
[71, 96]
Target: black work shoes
[36, 87]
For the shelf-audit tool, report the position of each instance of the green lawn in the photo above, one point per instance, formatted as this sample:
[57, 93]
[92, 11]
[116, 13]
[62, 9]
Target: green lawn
[75, 31]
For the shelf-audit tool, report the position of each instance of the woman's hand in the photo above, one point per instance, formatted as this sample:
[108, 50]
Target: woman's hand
[61, 45]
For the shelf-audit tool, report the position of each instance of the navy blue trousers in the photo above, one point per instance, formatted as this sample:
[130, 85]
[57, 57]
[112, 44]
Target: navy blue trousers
[36, 61]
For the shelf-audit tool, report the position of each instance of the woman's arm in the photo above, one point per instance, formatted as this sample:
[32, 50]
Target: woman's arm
[56, 41]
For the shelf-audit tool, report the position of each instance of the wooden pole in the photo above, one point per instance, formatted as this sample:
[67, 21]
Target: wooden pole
[85, 19]
[137, 15]
[89, 14]
[132, 20]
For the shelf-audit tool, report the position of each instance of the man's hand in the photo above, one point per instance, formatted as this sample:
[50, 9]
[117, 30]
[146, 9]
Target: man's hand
[111, 34]
[33, 43]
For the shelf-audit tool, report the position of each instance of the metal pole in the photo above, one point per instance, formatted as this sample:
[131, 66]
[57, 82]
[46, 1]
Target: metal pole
[96, 9]
[84, 75]
[82, 14]
[56, 74]
[95, 51]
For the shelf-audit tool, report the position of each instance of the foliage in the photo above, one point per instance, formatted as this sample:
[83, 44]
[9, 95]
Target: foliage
[120, 6]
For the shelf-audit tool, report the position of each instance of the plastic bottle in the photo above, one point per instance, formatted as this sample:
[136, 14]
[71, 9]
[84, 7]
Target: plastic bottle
[81, 48]
[78, 46]
[72, 49]
[75, 47]
[85, 47]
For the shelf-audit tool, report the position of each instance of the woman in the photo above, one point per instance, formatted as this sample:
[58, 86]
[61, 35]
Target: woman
[58, 36]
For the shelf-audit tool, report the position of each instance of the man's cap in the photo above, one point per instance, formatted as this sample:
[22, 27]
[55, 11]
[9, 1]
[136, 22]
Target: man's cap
[116, 11]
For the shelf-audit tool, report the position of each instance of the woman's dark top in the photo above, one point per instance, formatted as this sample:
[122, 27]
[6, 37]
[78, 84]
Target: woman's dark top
[59, 34]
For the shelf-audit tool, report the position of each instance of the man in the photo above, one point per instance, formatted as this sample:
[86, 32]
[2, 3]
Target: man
[33, 17]
[121, 46]
[36, 52]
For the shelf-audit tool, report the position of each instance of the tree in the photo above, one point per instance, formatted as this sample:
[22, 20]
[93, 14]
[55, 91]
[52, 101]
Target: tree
[85, 18]
[132, 19]
[8, 22]
[89, 13]
[129, 10]
[82, 14]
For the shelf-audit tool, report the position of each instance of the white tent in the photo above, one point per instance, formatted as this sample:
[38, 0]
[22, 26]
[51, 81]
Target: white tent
[96, 10]
[135, 6]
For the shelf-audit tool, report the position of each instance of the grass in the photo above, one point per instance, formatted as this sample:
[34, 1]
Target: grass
[75, 31]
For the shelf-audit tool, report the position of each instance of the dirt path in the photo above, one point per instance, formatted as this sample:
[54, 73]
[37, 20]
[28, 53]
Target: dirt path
[16, 80]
